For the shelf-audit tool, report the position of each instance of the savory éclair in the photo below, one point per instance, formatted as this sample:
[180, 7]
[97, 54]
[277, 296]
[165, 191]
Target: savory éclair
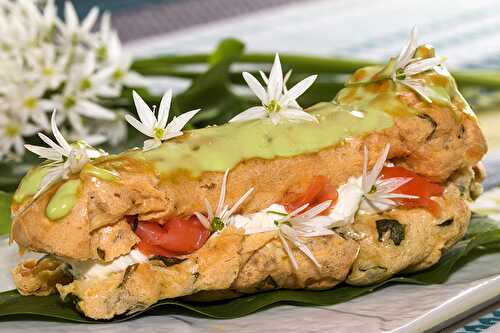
[356, 190]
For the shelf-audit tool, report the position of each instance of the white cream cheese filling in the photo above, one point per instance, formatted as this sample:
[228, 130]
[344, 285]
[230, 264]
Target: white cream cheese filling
[92, 269]
[342, 213]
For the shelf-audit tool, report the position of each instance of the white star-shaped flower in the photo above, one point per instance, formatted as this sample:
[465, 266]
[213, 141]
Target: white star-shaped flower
[12, 131]
[278, 102]
[221, 217]
[377, 191]
[74, 32]
[158, 129]
[64, 159]
[372, 194]
[406, 66]
[306, 224]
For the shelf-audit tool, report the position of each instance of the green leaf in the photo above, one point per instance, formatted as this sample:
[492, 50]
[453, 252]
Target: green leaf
[211, 90]
[5, 200]
[483, 233]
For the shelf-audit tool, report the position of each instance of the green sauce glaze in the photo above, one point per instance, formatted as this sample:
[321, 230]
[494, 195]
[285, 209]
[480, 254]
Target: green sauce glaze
[219, 148]
[30, 183]
[370, 88]
[63, 200]
[104, 174]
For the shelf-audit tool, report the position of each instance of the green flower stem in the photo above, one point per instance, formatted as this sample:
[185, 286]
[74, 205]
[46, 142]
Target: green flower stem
[300, 63]
[172, 66]
[481, 78]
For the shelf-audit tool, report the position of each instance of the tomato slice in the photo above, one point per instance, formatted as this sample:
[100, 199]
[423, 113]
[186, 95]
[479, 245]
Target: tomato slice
[319, 191]
[179, 236]
[154, 250]
[418, 186]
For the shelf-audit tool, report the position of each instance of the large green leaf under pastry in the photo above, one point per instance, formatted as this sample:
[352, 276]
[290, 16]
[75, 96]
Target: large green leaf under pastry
[483, 233]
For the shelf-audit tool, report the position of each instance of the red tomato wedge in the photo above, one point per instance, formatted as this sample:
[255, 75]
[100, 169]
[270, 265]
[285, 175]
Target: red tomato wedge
[418, 186]
[319, 191]
[154, 250]
[177, 236]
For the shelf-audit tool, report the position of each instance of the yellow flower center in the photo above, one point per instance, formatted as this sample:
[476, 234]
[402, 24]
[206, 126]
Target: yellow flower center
[400, 74]
[102, 53]
[85, 84]
[158, 133]
[273, 106]
[48, 71]
[69, 102]
[12, 130]
[118, 74]
[30, 103]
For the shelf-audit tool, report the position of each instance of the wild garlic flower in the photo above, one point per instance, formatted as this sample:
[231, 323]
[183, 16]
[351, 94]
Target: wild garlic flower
[278, 103]
[48, 62]
[13, 132]
[377, 191]
[158, 129]
[407, 66]
[371, 193]
[303, 224]
[221, 217]
[63, 159]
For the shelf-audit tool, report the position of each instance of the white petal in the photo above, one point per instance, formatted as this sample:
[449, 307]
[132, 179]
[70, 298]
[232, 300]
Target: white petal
[105, 24]
[76, 122]
[89, 20]
[50, 178]
[275, 85]
[94, 111]
[178, 123]
[133, 79]
[59, 137]
[303, 247]
[222, 196]
[146, 116]
[164, 110]
[364, 177]
[288, 251]
[138, 125]
[70, 15]
[95, 139]
[377, 168]
[416, 86]
[41, 120]
[298, 89]
[423, 65]
[377, 206]
[89, 65]
[392, 196]
[316, 210]
[170, 135]
[256, 87]
[286, 78]
[408, 50]
[240, 201]
[292, 236]
[203, 220]
[391, 184]
[294, 114]
[103, 75]
[210, 211]
[264, 77]
[256, 112]
[151, 144]
[44, 152]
